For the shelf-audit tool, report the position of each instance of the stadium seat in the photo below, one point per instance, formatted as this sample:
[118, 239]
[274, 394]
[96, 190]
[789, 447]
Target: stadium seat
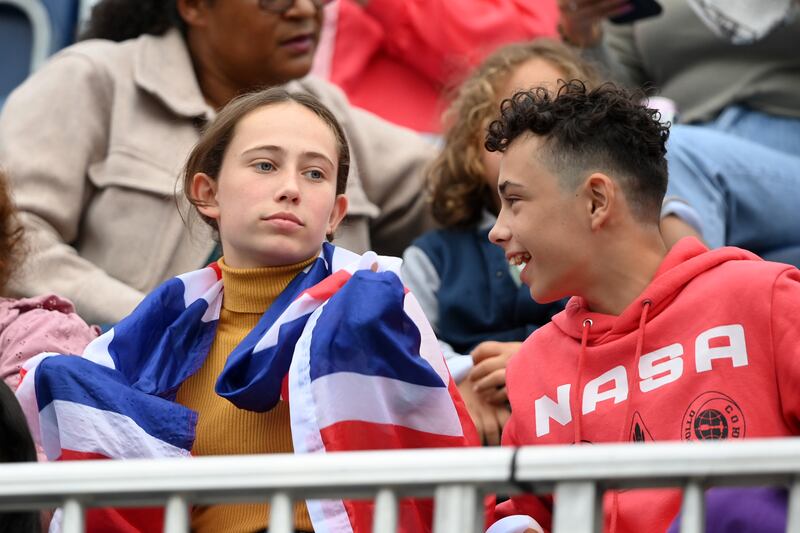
[30, 30]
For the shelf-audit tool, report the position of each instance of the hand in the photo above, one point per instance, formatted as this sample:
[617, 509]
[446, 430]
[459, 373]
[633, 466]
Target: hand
[488, 419]
[488, 376]
[581, 19]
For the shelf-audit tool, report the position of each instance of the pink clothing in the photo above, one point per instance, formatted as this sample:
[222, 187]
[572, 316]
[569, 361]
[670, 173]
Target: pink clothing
[395, 57]
[30, 326]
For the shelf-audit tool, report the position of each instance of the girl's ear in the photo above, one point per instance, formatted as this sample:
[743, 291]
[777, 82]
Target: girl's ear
[204, 192]
[337, 213]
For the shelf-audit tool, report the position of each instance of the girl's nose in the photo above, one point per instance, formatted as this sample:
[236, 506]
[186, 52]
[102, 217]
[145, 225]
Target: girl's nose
[288, 190]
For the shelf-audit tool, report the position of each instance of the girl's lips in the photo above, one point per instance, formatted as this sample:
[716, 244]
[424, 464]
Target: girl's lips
[302, 44]
[283, 223]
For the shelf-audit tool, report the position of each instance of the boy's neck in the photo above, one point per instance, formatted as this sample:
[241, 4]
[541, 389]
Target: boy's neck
[627, 266]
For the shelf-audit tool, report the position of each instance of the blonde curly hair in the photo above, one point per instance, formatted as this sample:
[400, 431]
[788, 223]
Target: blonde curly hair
[456, 178]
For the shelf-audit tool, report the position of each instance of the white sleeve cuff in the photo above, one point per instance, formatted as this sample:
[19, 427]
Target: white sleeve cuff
[517, 523]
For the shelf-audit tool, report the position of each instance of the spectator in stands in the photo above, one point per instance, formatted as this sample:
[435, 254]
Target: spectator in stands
[204, 362]
[16, 446]
[29, 326]
[471, 296]
[654, 345]
[395, 57]
[94, 140]
[735, 165]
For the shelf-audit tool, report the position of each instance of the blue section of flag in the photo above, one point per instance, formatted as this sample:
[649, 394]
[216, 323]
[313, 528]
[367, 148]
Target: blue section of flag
[158, 344]
[252, 379]
[364, 329]
[77, 380]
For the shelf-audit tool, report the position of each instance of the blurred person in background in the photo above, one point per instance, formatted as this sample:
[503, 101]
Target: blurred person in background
[395, 57]
[94, 142]
[474, 299]
[733, 73]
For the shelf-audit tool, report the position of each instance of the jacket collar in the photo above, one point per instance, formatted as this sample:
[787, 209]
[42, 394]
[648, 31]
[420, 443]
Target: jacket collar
[163, 67]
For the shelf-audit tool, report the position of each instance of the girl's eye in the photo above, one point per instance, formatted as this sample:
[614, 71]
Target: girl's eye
[265, 166]
[315, 174]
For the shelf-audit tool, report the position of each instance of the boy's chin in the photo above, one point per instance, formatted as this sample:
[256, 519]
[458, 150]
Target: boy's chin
[542, 295]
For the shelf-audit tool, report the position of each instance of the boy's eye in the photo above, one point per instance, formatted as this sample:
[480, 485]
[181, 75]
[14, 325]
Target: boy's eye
[264, 166]
[315, 174]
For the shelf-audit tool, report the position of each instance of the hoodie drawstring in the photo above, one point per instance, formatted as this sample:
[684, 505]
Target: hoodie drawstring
[587, 324]
[646, 304]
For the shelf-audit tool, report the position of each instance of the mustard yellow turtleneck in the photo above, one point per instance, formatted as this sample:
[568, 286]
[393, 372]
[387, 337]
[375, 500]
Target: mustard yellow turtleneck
[224, 429]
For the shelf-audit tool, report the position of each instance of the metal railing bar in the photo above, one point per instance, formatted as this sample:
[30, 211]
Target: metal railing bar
[661, 464]
[281, 515]
[73, 518]
[386, 512]
[693, 508]
[577, 508]
[354, 473]
[176, 515]
[457, 509]
[793, 518]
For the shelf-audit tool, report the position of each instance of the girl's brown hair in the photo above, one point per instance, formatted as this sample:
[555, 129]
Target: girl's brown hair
[456, 177]
[209, 152]
[11, 246]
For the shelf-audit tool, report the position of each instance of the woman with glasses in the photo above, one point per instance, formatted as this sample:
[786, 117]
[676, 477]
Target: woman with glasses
[95, 140]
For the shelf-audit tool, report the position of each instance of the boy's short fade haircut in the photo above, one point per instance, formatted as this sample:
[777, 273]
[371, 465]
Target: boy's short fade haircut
[605, 129]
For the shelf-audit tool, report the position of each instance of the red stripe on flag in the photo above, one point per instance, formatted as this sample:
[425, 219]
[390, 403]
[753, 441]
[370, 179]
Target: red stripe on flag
[327, 287]
[110, 520]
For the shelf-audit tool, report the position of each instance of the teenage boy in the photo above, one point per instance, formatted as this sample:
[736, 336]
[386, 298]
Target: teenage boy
[655, 345]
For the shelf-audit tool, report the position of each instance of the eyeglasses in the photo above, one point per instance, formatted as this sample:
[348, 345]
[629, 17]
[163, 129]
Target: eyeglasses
[282, 6]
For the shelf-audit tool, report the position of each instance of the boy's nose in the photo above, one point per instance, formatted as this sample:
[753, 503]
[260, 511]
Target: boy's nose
[499, 234]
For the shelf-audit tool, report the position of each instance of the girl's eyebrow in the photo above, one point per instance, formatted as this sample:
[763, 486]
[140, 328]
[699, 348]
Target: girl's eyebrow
[272, 148]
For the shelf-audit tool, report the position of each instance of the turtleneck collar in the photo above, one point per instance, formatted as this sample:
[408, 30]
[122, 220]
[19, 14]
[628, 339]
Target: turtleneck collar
[252, 290]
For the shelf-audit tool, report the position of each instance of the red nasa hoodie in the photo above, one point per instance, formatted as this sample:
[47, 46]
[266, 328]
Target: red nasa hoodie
[709, 350]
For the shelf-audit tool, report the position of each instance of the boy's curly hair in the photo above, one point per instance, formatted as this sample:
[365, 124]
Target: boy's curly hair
[11, 244]
[456, 181]
[605, 129]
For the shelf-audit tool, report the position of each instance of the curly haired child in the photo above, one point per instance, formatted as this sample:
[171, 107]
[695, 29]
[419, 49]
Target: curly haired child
[474, 301]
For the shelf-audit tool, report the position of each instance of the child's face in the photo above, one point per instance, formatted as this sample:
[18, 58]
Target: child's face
[541, 223]
[533, 73]
[275, 198]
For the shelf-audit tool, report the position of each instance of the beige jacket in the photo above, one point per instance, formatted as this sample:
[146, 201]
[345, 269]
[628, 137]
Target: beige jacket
[94, 143]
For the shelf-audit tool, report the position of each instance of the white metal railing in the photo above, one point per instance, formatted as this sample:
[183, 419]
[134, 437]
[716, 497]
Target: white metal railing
[457, 478]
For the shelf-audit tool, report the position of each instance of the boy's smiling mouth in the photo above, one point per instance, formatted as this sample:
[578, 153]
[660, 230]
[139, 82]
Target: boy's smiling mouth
[519, 258]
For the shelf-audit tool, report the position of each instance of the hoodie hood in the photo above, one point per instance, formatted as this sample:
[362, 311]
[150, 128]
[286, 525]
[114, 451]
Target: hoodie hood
[687, 260]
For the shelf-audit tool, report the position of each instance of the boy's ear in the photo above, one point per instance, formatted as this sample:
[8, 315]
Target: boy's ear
[204, 192]
[337, 213]
[602, 192]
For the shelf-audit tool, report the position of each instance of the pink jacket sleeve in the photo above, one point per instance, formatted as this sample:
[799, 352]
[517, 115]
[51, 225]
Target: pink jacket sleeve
[434, 36]
[31, 326]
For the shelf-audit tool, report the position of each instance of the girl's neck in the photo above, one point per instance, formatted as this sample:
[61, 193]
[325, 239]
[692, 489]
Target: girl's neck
[252, 290]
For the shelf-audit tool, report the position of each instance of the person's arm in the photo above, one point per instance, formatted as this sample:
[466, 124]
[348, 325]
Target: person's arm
[45, 324]
[434, 36]
[786, 343]
[584, 25]
[53, 128]
[422, 279]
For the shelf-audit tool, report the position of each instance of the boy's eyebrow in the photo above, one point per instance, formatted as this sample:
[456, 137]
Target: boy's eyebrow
[505, 185]
[281, 150]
